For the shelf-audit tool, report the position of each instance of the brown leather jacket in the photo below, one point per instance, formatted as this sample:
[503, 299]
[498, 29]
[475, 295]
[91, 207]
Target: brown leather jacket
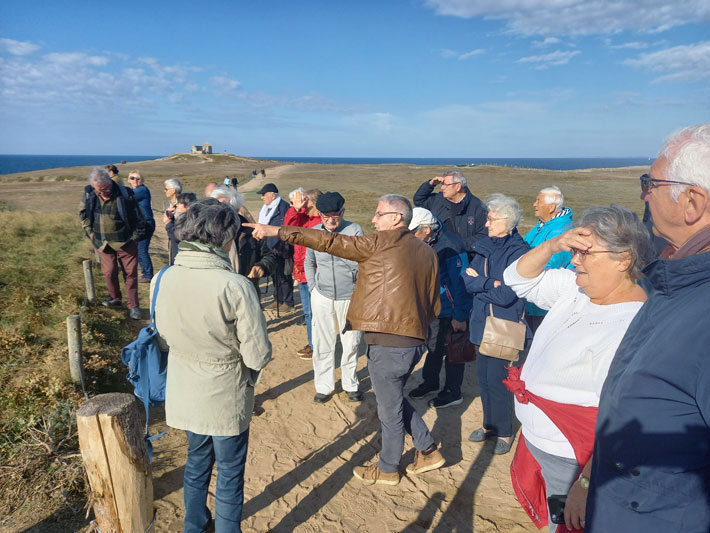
[397, 289]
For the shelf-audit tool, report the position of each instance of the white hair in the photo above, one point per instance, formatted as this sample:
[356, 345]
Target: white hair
[553, 195]
[507, 207]
[688, 153]
[174, 183]
[293, 193]
[99, 175]
[236, 199]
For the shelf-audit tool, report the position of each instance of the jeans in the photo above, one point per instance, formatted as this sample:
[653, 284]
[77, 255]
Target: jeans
[436, 343]
[496, 399]
[143, 255]
[559, 473]
[389, 370]
[128, 256]
[231, 456]
[306, 304]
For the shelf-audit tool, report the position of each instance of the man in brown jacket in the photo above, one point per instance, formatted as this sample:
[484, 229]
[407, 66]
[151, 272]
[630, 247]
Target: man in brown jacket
[395, 299]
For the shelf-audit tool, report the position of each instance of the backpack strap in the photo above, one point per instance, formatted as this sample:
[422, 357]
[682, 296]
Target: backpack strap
[155, 294]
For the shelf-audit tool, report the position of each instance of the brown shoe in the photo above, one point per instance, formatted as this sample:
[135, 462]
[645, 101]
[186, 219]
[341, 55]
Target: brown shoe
[372, 475]
[424, 463]
[307, 349]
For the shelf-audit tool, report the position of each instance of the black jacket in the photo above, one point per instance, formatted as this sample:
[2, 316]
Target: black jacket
[467, 219]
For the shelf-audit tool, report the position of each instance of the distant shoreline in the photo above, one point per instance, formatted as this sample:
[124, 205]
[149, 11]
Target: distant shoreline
[17, 163]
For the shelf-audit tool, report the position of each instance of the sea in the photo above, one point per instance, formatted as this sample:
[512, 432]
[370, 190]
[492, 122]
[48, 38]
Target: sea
[12, 163]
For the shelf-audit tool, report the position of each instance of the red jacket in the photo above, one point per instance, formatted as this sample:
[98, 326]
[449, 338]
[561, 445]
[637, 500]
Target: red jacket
[302, 220]
[577, 425]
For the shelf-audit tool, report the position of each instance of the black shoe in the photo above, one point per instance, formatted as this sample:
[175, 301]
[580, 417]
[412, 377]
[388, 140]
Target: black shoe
[440, 402]
[135, 313]
[422, 390]
[321, 398]
[113, 304]
[355, 396]
[478, 435]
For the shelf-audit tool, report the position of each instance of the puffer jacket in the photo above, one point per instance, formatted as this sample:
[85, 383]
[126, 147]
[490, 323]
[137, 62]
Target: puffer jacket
[499, 252]
[544, 232]
[211, 320]
[333, 277]
[397, 289]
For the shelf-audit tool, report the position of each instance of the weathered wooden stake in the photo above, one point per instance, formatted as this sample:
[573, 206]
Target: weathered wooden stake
[74, 342]
[89, 281]
[116, 462]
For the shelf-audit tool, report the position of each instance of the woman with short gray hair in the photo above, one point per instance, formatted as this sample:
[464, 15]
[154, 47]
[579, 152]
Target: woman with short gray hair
[558, 389]
[492, 297]
[211, 320]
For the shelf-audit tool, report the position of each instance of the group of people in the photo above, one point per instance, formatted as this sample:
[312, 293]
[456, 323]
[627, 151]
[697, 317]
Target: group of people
[594, 341]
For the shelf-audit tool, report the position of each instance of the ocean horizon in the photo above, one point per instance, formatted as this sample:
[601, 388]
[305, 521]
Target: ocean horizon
[14, 163]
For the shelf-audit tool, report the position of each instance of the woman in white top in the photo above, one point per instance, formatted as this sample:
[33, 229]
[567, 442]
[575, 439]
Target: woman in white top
[589, 312]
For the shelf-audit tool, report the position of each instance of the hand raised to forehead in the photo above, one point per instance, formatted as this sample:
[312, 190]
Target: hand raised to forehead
[574, 238]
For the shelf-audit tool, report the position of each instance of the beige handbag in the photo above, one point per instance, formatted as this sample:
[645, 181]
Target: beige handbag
[502, 339]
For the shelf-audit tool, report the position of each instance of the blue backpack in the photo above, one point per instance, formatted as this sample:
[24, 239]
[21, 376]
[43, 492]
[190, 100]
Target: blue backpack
[148, 366]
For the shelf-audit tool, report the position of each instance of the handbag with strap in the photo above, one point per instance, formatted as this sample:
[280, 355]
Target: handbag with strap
[459, 349]
[502, 339]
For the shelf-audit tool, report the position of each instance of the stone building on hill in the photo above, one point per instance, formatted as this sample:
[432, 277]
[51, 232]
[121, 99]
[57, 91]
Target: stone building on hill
[206, 148]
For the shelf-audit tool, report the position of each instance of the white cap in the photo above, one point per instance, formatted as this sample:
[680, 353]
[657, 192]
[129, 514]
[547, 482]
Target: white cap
[421, 217]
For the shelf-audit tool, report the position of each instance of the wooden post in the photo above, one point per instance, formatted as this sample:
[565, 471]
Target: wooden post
[116, 461]
[74, 343]
[89, 281]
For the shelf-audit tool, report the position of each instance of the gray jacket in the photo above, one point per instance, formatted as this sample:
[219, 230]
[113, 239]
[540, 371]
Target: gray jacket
[334, 277]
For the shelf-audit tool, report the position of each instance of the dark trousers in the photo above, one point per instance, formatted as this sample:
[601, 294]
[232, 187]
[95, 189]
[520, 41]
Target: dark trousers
[230, 453]
[497, 400]
[389, 370]
[534, 322]
[283, 284]
[143, 255]
[128, 256]
[436, 343]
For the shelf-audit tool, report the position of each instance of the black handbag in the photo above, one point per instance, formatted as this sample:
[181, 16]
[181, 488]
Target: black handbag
[459, 349]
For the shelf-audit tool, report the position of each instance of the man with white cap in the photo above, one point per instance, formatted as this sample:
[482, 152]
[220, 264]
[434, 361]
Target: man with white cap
[455, 308]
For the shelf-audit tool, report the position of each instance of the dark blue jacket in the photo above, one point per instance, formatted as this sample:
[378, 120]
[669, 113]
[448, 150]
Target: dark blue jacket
[467, 219]
[453, 260]
[651, 469]
[279, 247]
[142, 196]
[499, 252]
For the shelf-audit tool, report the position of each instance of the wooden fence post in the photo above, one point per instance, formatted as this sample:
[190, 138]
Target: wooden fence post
[116, 462]
[74, 343]
[89, 281]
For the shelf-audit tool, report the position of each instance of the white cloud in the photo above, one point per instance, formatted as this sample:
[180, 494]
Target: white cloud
[579, 17]
[634, 45]
[547, 41]
[448, 53]
[686, 63]
[466, 55]
[223, 84]
[553, 58]
[18, 48]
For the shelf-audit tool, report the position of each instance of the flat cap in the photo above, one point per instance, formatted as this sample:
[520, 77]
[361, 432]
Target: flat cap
[329, 202]
[269, 187]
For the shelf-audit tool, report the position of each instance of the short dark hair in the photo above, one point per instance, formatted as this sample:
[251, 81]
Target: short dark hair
[111, 168]
[208, 221]
[187, 198]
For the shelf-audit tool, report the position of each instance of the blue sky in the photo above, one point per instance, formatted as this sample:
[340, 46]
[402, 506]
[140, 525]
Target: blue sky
[417, 78]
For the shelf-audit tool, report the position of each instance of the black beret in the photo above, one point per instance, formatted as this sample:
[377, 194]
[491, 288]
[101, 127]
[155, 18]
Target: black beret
[329, 202]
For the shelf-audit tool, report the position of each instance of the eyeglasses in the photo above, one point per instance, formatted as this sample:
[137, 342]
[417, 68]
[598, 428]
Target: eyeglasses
[378, 214]
[648, 183]
[331, 217]
[489, 219]
[584, 253]
[133, 178]
[444, 184]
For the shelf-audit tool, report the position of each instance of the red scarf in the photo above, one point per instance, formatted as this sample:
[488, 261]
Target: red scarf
[577, 425]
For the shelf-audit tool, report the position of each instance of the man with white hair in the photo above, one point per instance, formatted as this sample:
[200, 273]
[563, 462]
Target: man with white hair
[273, 213]
[227, 194]
[459, 210]
[553, 220]
[114, 223]
[651, 462]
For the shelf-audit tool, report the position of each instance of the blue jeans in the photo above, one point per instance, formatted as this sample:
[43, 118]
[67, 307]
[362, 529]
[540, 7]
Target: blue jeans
[143, 255]
[306, 303]
[496, 399]
[389, 370]
[231, 456]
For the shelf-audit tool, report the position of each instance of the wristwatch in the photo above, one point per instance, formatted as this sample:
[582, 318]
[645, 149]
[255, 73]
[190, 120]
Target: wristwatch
[583, 481]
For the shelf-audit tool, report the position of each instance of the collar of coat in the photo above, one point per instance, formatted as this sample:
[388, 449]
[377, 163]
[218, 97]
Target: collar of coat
[220, 255]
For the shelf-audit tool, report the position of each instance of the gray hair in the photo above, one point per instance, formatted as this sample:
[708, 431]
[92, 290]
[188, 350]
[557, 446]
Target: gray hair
[688, 153]
[400, 204]
[621, 231]
[456, 177]
[553, 195]
[505, 206]
[208, 221]
[293, 192]
[174, 183]
[236, 199]
[99, 176]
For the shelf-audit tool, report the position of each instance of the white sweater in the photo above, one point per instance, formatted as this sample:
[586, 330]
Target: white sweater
[571, 352]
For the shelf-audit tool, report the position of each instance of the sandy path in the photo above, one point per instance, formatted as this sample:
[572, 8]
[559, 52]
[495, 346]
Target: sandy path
[273, 174]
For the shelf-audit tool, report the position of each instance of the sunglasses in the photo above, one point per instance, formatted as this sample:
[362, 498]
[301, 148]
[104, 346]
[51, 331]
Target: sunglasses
[648, 183]
[133, 179]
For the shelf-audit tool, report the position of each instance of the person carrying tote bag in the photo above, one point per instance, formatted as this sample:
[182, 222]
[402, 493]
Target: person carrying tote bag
[493, 302]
